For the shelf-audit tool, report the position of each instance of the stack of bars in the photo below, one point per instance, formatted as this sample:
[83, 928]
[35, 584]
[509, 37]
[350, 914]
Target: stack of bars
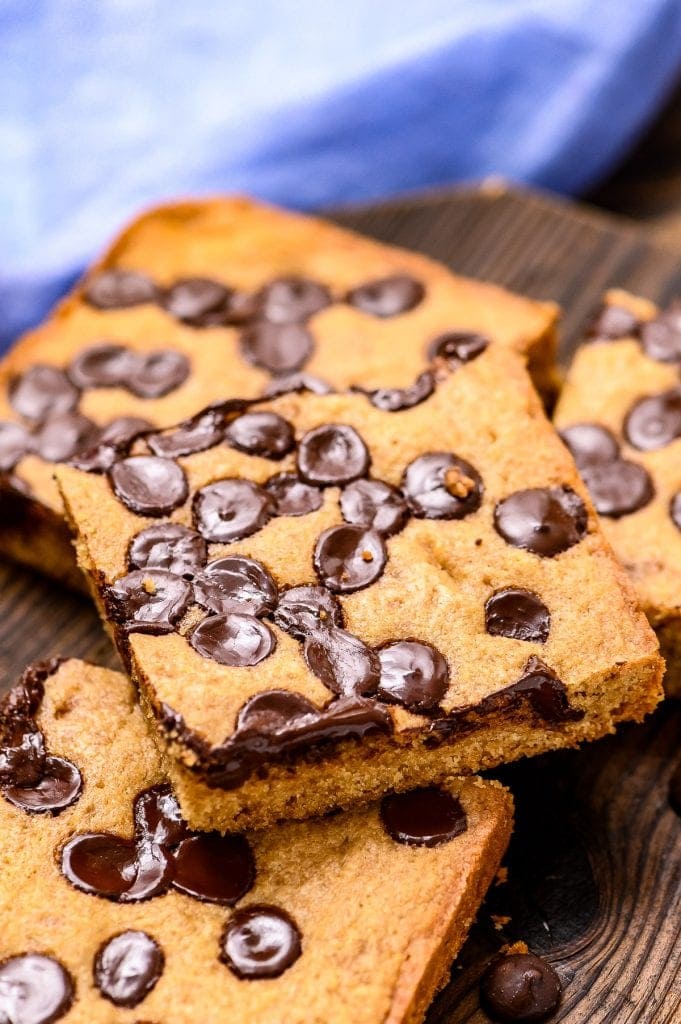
[347, 563]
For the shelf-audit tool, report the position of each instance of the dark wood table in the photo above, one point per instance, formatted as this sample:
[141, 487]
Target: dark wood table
[595, 863]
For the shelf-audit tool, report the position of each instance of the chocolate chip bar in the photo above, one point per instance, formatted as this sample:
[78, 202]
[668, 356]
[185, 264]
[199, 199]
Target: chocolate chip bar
[620, 415]
[203, 301]
[115, 910]
[321, 600]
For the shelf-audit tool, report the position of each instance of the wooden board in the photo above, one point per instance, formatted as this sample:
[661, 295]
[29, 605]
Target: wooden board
[595, 864]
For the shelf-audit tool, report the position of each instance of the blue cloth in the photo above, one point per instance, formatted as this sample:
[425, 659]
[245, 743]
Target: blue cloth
[108, 105]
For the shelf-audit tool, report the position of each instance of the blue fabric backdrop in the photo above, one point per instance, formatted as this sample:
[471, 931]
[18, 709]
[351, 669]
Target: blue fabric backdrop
[108, 105]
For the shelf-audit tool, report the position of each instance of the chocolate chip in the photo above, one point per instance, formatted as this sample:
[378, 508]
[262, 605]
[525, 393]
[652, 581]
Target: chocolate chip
[115, 868]
[260, 941]
[303, 611]
[271, 711]
[120, 432]
[520, 987]
[112, 439]
[292, 497]
[423, 817]
[168, 546]
[15, 442]
[613, 322]
[214, 868]
[590, 442]
[277, 348]
[148, 485]
[34, 989]
[157, 817]
[440, 485]
[290, 300]
[374, 506]
[22, 754]
[195, 435]
[235, 584]
[342, 661]
[331, 455]
[661, 337]
[231, 509]
[296, 382]
[619, 487]
[518, 614]
[396, 399]
[64, 436]
[261, 433]
[198, 301]
[413, 674]
[655, 421]
[157, 373]
[388, 296]
[348, 558]
[127, 967]
[237, 640]
[543, 520]
[59, 787]
[118, 289]
[675, 510]
[102, 366]
[42, 391]
[457, 347]
[148, 601]
[544, 691]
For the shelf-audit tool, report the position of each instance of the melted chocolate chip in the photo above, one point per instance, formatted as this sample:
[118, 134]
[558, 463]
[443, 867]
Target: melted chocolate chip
[260, 942]
[518, 614]
[296, 382]
[114, 438]
[388, 296]
[231, 509]
[292, 497]
[261, 433]
[543, 520]
[42, 391]
[118, 289]
[15, 442]
[149, 485]
[396, 399]
[545, 692]
[195, 435]
[520, 987]
[237, 640]
[342, 661]
[331, 455]
[34, 989]
[661, 337]
[590, 442]
[127, 967]
[62, 437]
[120, 432]
[115, 868]
[157, 373]
[374, 506]
[413, 674]
[618, 488]
[655, 421]
[423, 817]
[277, 348]
[348, 558]
[612, 322]
[22, 754]
[442, 486]
[59, 787]
[457, 347]
[214, 868]
[169, 546]
[303, 611]
[157, 817]
[199, 302]
[675, 510]
[102, 366]
[290, 300]
[236, 584]
[148, 601]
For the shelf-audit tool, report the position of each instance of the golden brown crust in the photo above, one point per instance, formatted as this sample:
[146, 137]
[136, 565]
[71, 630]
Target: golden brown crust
[383, 964]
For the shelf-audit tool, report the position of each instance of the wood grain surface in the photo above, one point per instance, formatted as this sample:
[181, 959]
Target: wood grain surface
[595, 865]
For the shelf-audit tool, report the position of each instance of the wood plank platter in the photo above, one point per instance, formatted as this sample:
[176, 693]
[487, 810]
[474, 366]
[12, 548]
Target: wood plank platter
[594, 868]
